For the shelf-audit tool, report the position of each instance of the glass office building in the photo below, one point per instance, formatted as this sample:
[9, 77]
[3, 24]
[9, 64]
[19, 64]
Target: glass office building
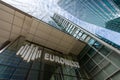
[98, 59]
[113, 25]
[44, 52]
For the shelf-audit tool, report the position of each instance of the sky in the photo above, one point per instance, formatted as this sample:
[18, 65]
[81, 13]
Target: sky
[44, 9]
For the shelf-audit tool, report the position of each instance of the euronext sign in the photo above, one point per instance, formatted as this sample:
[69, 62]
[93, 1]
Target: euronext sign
[30, 53]
[60, 60]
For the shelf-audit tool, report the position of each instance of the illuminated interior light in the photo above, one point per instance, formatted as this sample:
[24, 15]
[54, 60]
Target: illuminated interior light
[40, 52]
[23, 49]
[19, 51]
[25, 52]
[29, 58]
[35, 53]
[28, 53]
[36, 56]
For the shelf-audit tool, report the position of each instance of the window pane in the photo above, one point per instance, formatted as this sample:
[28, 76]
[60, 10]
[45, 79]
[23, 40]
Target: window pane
[91, 41]
[110, 69]
[83, 37]
[100, 76]
[97, 45]
[104, 63]
[94, 71]
[90, 65]
[91, 52]
[116, 76]
[97, 58]
[105, 51]
[115, 57]
[33, 75]
[84, 59]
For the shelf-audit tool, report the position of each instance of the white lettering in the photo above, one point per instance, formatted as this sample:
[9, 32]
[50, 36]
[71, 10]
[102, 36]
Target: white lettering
[46, 56]
[61, 60]
[51, 57]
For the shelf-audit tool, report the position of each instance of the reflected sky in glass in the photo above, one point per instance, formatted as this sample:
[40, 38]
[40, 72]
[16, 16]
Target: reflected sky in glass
[44, 9]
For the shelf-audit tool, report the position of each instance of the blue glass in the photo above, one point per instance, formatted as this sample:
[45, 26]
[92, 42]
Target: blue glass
[91, 41]
[33, 75]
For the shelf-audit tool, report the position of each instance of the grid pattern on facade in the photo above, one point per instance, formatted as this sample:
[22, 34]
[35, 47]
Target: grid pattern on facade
[100, 62]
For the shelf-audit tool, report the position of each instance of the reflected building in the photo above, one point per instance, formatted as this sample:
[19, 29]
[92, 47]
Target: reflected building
[92, 10]
[113, 25]
[117, 2]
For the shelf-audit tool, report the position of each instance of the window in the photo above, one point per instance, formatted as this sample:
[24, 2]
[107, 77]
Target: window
[97, 58]
[97, 45]
[115, 58]
[91, 41]
[90, 65]
[83, 36]
[100, 76]
[33, 75]
[110, 69]
[105, 51]
[116, 76]
[95, 71]
[91, 52]
[84, 59]
[104, 63]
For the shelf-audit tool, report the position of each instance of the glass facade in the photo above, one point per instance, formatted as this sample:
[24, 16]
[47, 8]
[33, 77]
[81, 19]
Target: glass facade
[113, 24]
[80, 33]
[100, 62]
[90, 11]
[97, 59]
[14, 67]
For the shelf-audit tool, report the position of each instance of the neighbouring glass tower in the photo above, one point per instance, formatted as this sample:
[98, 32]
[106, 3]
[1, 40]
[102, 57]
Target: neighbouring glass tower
[98, 59]
[113, 25]
[92, 10]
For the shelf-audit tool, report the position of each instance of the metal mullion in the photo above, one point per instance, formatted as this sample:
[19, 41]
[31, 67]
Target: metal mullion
[64, 22]
[78, 33]
[69, 28]
[98, 65]
[101, 9]
[74, 31]
[81, 35]
[112, 74]
[106, 6]
[87, 38]
[106, 57]
[95, 11]
[101, 69]
[66, 26]
[71, 31]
